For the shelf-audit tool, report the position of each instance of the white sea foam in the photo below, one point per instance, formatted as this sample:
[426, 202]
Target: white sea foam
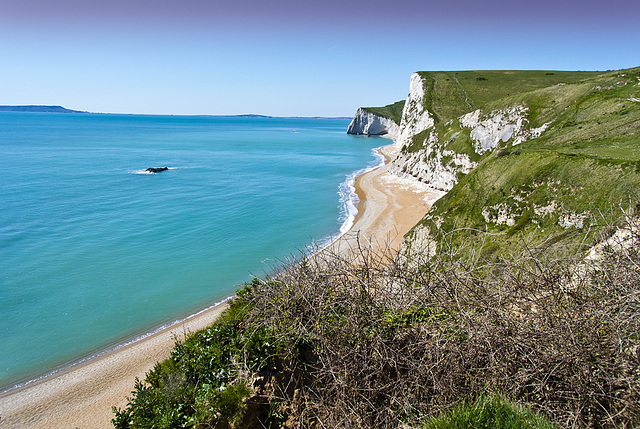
[349, 200]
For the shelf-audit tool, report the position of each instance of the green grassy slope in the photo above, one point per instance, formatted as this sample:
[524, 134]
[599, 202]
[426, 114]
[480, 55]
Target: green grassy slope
[450, 95]
[455, 93]
[392, 111]
[586, 162]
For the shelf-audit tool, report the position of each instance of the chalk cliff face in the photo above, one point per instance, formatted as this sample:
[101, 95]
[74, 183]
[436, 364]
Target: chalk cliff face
[423, 156]
[452, 121]
[437, 167]
[503, 125]
[367, 123]
[415, 116]
[440, 167]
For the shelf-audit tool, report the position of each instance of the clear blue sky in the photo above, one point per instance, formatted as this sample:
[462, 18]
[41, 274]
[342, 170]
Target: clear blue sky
[288, 57]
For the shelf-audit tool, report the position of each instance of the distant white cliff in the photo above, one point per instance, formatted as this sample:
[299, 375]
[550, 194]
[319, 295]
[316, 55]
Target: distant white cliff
[367, 123]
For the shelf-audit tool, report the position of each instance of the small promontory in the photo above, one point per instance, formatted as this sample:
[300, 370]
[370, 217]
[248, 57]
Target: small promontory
[377, 121]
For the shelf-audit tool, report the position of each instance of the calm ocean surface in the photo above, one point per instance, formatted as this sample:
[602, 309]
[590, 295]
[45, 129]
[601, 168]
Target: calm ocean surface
[94, 252]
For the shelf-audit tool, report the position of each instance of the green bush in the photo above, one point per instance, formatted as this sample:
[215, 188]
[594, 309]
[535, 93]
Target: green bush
[213, 404]
[201, 384]
[490, 412]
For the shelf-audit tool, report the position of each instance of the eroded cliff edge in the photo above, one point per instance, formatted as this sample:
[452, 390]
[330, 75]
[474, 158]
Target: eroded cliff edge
[519, 153]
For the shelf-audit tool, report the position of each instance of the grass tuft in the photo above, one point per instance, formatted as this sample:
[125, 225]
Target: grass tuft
[488, 412]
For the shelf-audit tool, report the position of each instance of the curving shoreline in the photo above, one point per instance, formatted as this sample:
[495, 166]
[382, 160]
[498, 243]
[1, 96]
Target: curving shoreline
[83, 396]
[389, 207]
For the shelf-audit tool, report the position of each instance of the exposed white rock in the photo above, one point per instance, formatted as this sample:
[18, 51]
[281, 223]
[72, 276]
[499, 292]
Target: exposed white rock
[545, 210]
[433, 166]
[499, 214]
[367, 123]
[417, 246]
[537, 132]
[415, 116]
[488, 130]
[570, 219]
[625, 238]
[500, 125]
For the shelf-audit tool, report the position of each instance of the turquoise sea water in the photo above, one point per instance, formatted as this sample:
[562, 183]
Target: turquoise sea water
[94, 252]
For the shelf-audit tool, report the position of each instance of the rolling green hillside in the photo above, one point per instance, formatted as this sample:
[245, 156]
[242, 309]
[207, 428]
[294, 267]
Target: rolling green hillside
[585, 162]
[452, 94]
[561, 97]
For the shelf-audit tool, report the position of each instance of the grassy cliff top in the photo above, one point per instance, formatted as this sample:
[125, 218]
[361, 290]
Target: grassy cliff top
[392, 111]
[454, 93]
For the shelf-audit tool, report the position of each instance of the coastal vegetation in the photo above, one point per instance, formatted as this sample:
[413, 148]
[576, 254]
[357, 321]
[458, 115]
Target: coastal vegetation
[550, 186]
[365, 340]
[453, 94]
[515, 302]
[489, 411]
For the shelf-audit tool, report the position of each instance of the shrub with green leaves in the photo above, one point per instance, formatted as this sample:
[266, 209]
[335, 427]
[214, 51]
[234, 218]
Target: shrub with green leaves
[202, 384]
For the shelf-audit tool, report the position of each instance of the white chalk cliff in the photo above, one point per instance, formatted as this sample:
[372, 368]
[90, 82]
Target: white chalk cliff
[488, 130]
[367, 123]
[422, 156]
[441, 168]
[415, 115]
[433, 165]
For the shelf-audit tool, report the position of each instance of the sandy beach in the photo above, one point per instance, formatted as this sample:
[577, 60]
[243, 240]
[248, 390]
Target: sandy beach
[389, 207]
[83, 397]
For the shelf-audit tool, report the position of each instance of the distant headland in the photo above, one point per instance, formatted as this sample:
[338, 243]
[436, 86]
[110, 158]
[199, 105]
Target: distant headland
[60, 109]
[39, 109]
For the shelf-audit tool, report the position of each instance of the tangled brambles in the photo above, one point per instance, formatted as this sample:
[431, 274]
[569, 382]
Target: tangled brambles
[370, 340]
[379, 344]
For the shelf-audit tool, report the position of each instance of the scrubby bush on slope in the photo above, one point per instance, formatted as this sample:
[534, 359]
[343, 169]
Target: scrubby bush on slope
[365, 340]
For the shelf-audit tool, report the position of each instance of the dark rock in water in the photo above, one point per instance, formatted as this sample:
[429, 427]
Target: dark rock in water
[156, 169]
